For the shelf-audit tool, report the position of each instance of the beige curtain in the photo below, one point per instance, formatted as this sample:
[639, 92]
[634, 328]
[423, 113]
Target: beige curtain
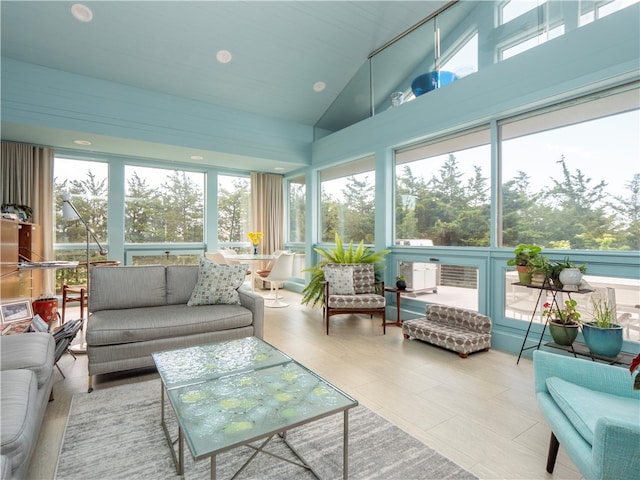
[267, 210]
[27, 179]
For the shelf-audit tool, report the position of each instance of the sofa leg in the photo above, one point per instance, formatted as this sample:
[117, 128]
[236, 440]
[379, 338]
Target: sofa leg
[90, 388]
[51, 399]
[463, 355]
[553, 453]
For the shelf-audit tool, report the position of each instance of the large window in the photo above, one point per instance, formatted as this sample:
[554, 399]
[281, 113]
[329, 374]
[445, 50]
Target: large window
[234, 195]
[86, 184]
[443, 192]
[570, 176]
[297, 205]
[348, 202]
[163, 206]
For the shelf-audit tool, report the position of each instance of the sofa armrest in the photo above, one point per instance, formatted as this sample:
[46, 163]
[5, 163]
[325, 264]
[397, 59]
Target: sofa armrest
[587, 373]
[27, 350]
[461, 317]
[255, 303]
[615, 449]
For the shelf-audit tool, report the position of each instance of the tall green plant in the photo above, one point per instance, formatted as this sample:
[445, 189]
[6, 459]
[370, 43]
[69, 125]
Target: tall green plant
[313, 292]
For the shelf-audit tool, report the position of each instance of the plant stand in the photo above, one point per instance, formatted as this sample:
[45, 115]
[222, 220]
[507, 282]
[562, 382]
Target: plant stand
[554, 305]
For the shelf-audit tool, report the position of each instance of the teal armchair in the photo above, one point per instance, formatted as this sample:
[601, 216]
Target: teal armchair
[593, 412]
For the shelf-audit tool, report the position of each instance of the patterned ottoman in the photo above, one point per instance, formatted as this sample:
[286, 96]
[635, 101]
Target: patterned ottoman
[457, 329]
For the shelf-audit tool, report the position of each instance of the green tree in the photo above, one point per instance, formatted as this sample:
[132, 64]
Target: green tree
[628, 214]
[143, 212]
[184, 209]
[233, 211]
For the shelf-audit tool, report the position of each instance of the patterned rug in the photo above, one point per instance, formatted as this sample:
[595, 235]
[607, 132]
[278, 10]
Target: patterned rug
[116, 434]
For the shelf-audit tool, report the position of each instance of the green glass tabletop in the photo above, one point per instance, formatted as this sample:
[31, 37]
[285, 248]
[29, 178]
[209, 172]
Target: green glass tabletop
[190, 365]
[231, 410]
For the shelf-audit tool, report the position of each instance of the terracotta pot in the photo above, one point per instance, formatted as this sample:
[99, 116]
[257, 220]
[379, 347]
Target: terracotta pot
[524, 274]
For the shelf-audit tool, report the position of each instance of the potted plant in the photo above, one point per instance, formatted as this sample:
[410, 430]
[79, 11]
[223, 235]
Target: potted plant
[565, 273]
[563, 322]
[523, 254]
[401, 282]
[540, 271]
[602, 335]
[313, 292]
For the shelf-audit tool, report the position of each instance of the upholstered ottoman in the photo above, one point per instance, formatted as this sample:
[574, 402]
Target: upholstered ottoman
[457, 329]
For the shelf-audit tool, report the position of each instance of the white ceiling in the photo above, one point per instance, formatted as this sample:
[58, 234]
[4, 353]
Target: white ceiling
[280, 49]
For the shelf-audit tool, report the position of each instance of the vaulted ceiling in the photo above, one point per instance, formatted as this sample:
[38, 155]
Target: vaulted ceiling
[279, 50]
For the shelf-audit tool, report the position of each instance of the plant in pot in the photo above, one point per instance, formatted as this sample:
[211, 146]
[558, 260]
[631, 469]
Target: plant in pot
[602, 335]
[567, 275]
[541, 269]
[564, 322]
[401, 282]
[523, 255]
[313, 292]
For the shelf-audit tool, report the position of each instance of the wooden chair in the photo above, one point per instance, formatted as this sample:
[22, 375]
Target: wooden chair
[352, 288]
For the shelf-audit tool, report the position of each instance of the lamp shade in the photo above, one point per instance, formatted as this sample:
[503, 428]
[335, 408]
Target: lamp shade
[68, 213]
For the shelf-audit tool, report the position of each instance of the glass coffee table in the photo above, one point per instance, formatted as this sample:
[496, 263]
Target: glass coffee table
[233, 393]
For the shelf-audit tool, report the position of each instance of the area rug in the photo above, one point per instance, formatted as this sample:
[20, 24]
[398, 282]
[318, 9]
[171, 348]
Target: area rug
[116, 434]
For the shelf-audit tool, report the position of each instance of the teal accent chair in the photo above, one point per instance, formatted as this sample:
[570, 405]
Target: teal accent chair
[593, 412]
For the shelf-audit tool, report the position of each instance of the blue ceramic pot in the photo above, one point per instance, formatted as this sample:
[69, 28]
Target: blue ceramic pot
[606, 342]
[430, 81]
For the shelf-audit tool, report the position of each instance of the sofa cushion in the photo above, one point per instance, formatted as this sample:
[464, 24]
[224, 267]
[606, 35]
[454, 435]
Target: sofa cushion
[18, 397]
[365, 300]
[461, 317]
[340, 280]
[113, 327]
[127, 287]
[217, 283]
[181, 280]
[583, 406]
[33, 351]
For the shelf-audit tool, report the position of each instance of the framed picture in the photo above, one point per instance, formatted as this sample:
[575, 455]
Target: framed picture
[15, 311]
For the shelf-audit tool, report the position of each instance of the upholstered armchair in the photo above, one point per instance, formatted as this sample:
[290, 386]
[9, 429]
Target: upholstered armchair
[352, 288]
[593, 412]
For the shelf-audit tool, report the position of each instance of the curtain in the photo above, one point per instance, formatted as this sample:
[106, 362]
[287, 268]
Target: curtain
[27, 179]
[267, 210]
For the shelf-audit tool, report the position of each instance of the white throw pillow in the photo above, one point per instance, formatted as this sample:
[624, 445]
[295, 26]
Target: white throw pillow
[218, 284]
[340, 280]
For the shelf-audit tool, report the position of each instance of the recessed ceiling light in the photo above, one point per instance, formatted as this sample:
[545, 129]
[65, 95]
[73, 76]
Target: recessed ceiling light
[279, 169]
[82, 142]
[81, 12]
[223, 56]
[196, 157]
[319, 86]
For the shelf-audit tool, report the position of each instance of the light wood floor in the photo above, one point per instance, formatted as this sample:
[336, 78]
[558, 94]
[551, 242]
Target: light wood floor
[480, 412]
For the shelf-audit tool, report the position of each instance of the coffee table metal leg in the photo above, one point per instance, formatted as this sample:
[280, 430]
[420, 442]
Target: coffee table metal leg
[345, 447]
[213, 467]
[180, 452]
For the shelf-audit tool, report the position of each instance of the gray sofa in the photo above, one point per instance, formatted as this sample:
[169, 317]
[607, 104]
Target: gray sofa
[139, 310]
[26, 379]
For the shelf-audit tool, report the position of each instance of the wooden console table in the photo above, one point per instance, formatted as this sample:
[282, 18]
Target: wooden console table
[554, 305]
[398, 293]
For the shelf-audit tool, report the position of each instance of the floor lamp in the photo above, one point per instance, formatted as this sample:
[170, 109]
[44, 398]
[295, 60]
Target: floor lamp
[70, 213]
